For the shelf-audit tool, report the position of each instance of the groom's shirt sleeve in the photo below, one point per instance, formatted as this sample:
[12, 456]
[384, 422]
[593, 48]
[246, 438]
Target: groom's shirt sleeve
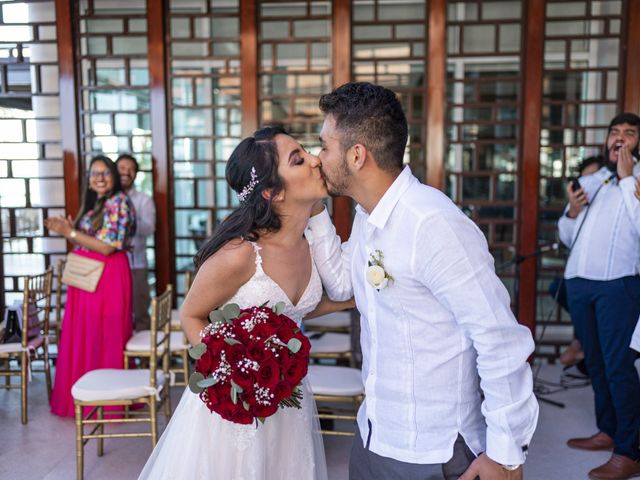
[456, 266]
[331, 256]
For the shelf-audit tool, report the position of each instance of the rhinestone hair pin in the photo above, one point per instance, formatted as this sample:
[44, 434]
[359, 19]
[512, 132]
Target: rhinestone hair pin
[246, 191]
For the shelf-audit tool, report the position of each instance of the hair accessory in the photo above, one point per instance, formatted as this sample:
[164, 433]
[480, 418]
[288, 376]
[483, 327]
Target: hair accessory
[246, 191]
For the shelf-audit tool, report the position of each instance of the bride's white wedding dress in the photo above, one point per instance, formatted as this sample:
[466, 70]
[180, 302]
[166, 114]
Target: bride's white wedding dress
[198, 444]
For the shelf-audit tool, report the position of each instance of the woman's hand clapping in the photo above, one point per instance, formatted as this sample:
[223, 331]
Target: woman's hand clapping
[59, 224]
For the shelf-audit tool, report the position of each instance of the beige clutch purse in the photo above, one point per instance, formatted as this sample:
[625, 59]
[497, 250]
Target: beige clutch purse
[82, 272]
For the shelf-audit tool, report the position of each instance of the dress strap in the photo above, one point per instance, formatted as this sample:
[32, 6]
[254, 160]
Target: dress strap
[256, 249]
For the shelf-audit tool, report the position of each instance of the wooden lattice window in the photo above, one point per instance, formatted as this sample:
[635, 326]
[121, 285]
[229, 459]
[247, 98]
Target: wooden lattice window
[31, 171]
[205, 119]
[582, 85]
[294, 45]
[482, 120]
[389, 47]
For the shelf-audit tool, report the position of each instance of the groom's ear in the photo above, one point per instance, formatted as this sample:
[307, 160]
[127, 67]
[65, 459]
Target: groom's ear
[358, 156]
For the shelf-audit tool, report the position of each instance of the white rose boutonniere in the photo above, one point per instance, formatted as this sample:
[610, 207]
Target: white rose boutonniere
[377, 276]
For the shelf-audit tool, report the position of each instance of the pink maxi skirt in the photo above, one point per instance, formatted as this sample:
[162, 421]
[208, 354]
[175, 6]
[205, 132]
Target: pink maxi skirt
[95, 328]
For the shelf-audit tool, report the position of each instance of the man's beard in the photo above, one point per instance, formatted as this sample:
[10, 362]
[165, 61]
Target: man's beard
[342, 183]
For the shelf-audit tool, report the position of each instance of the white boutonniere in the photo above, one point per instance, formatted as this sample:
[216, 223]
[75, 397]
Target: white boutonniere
[377, 276]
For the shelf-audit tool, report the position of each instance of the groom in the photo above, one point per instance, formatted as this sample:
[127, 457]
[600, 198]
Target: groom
[436, 325]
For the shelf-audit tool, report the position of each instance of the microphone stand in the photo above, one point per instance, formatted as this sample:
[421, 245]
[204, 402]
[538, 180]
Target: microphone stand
[516, 261]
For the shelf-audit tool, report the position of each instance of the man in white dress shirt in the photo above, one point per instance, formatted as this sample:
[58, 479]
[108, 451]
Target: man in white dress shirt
[601, 225]
[436, 323]
[146, 225]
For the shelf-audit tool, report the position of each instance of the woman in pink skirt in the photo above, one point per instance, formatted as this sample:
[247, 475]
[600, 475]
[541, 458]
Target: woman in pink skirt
[96, 326]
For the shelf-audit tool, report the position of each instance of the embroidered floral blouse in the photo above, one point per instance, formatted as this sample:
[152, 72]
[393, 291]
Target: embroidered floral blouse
[118, 224]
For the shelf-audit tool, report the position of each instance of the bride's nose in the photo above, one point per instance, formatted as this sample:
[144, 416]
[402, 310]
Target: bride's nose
[314, 161]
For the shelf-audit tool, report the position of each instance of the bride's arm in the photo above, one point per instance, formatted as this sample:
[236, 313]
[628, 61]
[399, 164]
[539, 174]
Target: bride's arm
[219, 277]
[329, 306]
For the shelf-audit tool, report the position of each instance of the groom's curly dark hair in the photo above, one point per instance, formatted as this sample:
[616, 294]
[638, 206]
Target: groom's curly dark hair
[371, 115]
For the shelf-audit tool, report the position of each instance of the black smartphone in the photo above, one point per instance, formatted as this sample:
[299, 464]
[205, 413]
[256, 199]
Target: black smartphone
[575, 184]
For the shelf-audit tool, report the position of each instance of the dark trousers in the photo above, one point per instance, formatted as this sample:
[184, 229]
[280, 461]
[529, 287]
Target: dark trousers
[605, 314]
[366, 465]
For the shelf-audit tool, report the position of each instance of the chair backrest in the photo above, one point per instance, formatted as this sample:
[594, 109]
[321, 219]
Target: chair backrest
[59, 285]
[36, 305]
[160, 333]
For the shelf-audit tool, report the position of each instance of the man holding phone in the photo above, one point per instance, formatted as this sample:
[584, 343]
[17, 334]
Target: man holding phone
[601, 226]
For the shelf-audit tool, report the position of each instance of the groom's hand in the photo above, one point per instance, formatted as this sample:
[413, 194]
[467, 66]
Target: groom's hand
[317, 208]
[487, 469]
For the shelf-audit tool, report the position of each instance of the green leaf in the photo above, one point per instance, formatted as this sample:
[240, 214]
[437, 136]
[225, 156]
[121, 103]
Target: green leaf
[262, 419]
[231, 341]
[294, 345]
[245, 405]
[216, 317]
[234, 396]
[194, 379]
[231, 311]
[236, 387]
[197, 351]
[207, 382]
[278, 308]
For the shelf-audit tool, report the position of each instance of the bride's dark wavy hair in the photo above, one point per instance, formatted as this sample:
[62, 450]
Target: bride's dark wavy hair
[255, 213]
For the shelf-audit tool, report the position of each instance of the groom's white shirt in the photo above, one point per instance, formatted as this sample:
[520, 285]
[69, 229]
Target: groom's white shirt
[444, 319]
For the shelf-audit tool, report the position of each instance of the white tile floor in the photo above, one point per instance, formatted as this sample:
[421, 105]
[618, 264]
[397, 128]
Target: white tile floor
[45, 448]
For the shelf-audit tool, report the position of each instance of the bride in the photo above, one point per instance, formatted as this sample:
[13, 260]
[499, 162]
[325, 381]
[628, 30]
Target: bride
[258, 254]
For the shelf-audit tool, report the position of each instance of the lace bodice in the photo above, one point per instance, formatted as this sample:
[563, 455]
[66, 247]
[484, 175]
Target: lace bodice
[261, 288]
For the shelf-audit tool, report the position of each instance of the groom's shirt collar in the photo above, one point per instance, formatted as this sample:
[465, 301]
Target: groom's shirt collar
[387, 203]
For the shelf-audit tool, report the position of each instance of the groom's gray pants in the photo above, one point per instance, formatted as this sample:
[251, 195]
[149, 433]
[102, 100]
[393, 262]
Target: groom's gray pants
[366, 465]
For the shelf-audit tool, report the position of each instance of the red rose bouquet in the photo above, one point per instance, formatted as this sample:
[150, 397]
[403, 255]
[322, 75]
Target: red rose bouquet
[250, 362]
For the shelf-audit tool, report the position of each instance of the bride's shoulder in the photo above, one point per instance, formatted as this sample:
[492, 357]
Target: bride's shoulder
[236, 257]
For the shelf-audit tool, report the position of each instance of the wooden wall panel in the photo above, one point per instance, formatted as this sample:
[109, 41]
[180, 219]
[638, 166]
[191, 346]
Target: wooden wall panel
[163, 182]
[436, 93]
[66, 23]
[529, 194]
[632, 59]
[342, 74]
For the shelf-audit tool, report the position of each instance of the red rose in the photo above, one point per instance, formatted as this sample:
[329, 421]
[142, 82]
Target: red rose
[285, 332]
[207, 363]
[294, 370]
[268, 374]
[257, 352]
[283, 390]
[242, 416]
[235, 353]
[228, 410]
[262, 331]
[274, 321]
[264, 410]
[245, 379]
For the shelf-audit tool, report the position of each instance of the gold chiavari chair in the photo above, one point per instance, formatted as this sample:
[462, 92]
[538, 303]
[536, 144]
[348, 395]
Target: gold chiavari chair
[138, 345]
[331, 345]
[105, 387]
[333, 387]
[338, 322]
[182, 353]
[36, 308]
[60, 300]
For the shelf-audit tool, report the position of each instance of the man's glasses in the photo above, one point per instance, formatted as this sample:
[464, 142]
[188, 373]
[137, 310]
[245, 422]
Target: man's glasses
[105, 174]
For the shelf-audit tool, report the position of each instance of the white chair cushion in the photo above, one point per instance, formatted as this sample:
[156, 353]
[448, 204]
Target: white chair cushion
[331, 343]
[141, 342]
[34, 343]
[339, 381]
[10, 347]
[175, 318]
[331, 320]
[113, 384]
